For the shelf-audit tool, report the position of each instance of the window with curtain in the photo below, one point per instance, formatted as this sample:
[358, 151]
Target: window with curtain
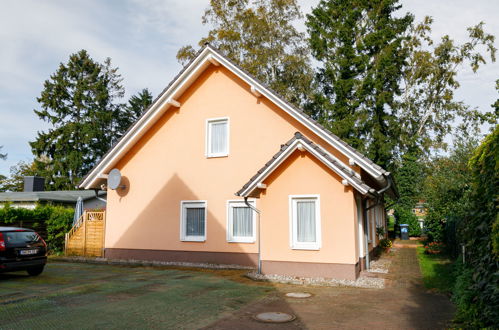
[193, 221]
[241, 222]
[305, 216]
[217, 143]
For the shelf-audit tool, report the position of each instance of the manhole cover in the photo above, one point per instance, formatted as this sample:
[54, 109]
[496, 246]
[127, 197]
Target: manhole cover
[298, 295]
[274, 317]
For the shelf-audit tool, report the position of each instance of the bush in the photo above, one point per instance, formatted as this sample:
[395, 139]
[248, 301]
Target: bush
[434, 248]
[51, 222]
[463, 296]
[58, 224]
[478, 291]
[385, 243]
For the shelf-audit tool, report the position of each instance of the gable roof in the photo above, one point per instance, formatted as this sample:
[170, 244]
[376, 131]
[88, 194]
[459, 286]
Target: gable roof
[207, 56]
[301, 142]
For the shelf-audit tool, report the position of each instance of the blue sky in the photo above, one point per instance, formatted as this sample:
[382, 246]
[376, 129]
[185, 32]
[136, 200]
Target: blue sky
[142, 38]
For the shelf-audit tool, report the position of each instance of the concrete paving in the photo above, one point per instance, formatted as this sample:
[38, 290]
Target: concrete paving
[403, 304]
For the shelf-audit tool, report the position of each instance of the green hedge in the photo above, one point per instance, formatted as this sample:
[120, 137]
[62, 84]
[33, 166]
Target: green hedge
[405, 216]
[51, 222]
[477, 286]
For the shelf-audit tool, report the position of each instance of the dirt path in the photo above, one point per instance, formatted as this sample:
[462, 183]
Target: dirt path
[403, 304]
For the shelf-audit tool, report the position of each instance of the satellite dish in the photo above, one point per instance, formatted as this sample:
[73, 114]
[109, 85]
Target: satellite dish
[114, 179]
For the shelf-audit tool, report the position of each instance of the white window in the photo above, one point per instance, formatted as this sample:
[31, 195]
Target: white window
[193, 221]
[305, 222]
[217, 139]
[241, 222]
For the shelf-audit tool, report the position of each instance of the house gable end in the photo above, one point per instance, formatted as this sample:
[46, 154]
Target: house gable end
[169, 98]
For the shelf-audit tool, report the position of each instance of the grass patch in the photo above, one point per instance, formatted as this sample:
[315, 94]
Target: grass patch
[437, 270]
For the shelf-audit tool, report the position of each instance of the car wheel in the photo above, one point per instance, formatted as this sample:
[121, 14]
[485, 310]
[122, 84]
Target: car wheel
[34, 271]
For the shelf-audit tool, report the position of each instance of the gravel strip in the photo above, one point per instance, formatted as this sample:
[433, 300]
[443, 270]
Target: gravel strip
[380, 266]
[133, 262]
[361, 282]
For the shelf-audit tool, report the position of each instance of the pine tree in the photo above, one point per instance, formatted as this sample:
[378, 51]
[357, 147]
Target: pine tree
[359, 44]
[132, 111]
[78, 101]
[385, 86]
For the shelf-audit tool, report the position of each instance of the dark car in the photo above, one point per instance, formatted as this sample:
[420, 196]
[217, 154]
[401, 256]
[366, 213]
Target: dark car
[22, 249]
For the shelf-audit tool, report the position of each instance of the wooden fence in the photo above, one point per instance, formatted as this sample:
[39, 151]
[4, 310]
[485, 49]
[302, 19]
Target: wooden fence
[86, 237]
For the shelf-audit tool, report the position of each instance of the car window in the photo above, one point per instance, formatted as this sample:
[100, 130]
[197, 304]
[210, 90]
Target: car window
[20, 237]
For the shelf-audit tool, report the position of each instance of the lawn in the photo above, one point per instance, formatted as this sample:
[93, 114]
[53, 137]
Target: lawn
[437, 270]
[83, 296]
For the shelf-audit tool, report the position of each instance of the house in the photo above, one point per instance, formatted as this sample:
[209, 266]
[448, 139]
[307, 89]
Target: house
[420, 210]
[33, 194]
[220, 169]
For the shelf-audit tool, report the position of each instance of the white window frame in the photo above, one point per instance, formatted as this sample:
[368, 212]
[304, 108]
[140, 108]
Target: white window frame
[239, 239]
[293, 232]
[192, 204]
[208, 153]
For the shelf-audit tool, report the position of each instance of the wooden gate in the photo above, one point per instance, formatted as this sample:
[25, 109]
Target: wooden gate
[86, 238]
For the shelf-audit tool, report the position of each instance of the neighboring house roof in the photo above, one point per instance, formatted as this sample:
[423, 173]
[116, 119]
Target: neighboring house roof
[301, 142]
[205, 57]
[66, 196]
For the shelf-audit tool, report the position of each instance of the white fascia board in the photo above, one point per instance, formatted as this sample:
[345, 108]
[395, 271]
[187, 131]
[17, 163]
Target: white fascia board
[378, 175]
[286, 154]
[149, 119]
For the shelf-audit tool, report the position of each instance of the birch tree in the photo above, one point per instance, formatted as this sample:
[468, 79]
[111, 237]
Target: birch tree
[260, 37]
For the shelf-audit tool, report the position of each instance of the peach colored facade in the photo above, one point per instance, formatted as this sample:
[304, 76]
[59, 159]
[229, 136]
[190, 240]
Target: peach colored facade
[169, 165]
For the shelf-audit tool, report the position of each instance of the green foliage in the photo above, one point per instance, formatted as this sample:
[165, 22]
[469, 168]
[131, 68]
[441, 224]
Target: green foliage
[427, 107]
[260, 37]
[385, 86]
[78, 101]
[385, 243]
[478, 296]
[447, 188]
[463, 296]
[55, 220]
[405, 216]
[409, 177]
[131, 112]
[17, 173]
[495, 237]
[58, 224]
[359, 45]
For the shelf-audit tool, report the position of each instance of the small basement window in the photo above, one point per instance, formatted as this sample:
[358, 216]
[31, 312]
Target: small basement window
[241, 222]
[193, 221]
[305, 222]
[217, 139]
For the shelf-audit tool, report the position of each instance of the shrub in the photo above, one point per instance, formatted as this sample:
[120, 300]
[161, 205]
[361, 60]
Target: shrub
[52, 222]
[478, 289]
[385, 243]
[434, 248]
[463, 296]
[58, 224]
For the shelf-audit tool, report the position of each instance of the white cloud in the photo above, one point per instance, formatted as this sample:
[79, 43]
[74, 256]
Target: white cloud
[142, 37]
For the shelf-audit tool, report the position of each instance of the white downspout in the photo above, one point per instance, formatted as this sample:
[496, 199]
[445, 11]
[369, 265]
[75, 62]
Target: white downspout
[258, 233]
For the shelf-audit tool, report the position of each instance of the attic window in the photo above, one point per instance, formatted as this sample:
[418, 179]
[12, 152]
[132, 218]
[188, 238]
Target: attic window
[217, 139]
